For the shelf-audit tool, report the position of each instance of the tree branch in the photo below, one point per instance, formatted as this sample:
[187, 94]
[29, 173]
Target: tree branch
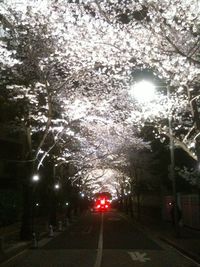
[48, 124]
[183, 146]
[102, 12]
[180, 52]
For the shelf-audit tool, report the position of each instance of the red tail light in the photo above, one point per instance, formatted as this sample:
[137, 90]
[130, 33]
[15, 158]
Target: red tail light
[101, 204]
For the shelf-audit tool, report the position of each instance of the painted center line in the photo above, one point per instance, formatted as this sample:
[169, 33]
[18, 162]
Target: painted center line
[139, 256]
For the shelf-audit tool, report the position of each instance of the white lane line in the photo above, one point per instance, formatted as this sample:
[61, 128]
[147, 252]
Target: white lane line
[100, 245]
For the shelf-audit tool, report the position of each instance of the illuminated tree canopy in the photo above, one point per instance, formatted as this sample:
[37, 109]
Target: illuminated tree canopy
[71, 65]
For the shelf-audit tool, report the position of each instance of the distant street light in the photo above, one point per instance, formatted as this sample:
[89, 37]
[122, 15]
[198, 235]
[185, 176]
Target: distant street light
[56, 186]
[144, 91]
[35, 178]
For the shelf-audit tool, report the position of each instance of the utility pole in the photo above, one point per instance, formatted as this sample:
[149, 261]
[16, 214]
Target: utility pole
[172, 167]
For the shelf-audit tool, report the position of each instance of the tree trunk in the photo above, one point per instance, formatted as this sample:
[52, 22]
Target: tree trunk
[138, 206]
[27, 190]
[26, 224]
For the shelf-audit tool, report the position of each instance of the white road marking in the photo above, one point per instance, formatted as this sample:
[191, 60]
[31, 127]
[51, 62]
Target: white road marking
[139, 256]
[100, 245]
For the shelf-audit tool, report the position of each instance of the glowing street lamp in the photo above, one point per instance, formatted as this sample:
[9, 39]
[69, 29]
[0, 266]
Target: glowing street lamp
[82, 194]
[145, 91]
[35, 178]
[57, 186]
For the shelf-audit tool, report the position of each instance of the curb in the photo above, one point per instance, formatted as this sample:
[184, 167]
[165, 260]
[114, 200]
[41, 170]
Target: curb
[186, 253]
[10, 253]
[189, 254]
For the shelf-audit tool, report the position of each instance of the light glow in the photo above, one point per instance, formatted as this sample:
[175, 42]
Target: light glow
[143, 91]
[35, 178]
[56, 186]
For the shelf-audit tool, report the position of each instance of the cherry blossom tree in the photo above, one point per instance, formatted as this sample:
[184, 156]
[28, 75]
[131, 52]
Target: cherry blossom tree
[73, 63]
[174, 55]
[130, 24]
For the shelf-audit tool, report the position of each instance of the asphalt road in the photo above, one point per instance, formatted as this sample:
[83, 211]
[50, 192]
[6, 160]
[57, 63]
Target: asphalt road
[101, 240]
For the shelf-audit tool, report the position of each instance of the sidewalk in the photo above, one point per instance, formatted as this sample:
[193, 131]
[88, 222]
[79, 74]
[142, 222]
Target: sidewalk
[188, 243]
[10, 245]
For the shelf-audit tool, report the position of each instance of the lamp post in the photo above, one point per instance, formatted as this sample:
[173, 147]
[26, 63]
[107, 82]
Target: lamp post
[35, 180]
[144, 91]
[172, 172]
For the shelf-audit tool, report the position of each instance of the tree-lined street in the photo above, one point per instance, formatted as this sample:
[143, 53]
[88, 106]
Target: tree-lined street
[102, 240]
[99, 96]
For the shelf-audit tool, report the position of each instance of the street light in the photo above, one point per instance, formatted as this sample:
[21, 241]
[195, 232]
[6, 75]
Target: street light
[57, 186]
[144, 91]
[35, 179]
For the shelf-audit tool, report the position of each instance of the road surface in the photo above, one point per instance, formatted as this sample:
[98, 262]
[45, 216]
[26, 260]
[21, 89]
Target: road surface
[101, 240]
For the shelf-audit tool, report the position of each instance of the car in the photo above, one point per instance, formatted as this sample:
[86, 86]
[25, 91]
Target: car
[101, 204]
